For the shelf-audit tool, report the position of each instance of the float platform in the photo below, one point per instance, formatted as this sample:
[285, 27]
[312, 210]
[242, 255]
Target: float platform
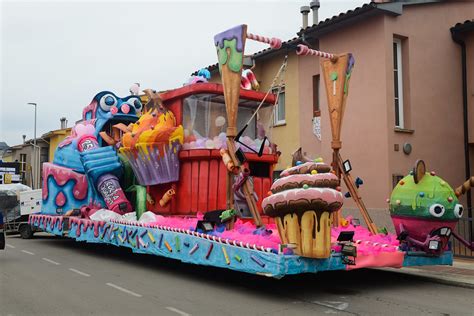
[204, 249]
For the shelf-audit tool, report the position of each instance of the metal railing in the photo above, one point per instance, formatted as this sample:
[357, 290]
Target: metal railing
[465, 228]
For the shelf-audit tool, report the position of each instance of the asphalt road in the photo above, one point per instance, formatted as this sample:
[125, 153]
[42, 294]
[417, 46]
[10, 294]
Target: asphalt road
[55, 276]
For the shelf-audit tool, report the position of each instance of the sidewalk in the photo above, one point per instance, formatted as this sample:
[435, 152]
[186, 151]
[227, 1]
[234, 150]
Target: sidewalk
[461, 273]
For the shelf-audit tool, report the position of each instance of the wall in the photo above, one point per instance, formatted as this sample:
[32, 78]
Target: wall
[54, 140]
[7, 158]
[364, 133]
[286, 136]
[469, 40]
[433, 92]
[28, 150]
[308, 66]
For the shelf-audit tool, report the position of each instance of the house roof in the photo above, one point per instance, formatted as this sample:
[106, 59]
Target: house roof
[61, 131]
[336, 22]
[28, 143]
[350, 17]
[3, 145]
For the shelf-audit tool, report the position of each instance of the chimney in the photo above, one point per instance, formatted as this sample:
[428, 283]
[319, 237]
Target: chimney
[304, 12]
[63, 122]
[315, 8]
[24, 138]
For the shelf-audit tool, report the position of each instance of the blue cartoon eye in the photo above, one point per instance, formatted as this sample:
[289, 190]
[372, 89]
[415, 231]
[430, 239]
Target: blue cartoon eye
[136, 103]
[107, 101]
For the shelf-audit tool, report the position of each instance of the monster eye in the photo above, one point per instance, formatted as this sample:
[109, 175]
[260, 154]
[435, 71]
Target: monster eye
[107, 102]
[437, 210]
[136, 103]
[458, 210]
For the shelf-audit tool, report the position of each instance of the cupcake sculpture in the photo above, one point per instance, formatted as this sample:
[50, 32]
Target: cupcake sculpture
[301, 202]
[152, 148]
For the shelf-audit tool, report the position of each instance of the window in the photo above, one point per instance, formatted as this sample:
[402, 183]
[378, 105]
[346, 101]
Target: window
[398, 82]
[316, 108]
[205, 122]
[22, 163]
[23, 167]
[279, 117]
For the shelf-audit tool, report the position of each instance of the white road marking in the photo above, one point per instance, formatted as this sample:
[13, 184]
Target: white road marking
[10, 246]
[340, 306]
[124, 290]
[51, 261]
[28, 252]
[177, 311]
[79, 272]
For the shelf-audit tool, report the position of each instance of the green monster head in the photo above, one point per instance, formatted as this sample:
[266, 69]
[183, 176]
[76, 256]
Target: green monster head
[425, 195]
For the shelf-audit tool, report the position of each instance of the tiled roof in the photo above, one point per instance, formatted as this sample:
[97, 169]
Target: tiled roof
[362, 12]
[337, 18]
[338, 21]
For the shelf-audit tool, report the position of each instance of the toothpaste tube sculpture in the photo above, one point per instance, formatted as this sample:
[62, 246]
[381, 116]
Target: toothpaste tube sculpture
[107, 184]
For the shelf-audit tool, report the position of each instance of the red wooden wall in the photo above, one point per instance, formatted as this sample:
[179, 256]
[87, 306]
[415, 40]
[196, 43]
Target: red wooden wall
[202, 183]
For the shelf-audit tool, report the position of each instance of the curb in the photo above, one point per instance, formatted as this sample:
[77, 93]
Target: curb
[442, 279]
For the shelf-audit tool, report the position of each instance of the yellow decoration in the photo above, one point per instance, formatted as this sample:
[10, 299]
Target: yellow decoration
[343, 222]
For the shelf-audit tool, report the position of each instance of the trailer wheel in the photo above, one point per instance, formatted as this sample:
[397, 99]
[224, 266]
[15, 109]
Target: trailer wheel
[25, 231]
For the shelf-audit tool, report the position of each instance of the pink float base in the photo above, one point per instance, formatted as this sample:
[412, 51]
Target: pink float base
[366, 243]
[382, 259]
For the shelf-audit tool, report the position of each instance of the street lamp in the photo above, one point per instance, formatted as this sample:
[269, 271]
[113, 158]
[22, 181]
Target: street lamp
[35, 179]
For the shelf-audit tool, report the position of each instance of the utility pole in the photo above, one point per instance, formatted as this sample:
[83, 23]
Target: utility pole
[35, 155]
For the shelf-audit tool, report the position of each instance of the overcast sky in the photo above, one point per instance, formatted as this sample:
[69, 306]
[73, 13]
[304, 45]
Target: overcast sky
[59, 54]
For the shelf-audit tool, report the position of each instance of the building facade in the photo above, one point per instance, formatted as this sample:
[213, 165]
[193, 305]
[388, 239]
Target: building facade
[405, 97]
[24, 154]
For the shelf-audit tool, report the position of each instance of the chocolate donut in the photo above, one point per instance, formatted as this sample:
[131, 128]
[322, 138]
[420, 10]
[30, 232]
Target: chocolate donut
[319, 180]
[306, 167]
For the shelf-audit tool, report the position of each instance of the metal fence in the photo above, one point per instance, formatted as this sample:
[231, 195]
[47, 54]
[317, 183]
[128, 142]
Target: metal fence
[465, 228]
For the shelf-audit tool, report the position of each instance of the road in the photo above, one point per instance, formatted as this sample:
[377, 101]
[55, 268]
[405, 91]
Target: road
[56, 276]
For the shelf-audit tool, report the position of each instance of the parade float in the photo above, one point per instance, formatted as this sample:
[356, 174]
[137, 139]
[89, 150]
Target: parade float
[188, 174]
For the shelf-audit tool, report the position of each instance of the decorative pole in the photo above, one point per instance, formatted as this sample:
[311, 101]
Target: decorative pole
[336, 70]
[230, 46]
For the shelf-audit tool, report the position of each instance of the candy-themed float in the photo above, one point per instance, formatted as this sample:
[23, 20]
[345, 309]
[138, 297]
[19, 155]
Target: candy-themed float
[188, 174]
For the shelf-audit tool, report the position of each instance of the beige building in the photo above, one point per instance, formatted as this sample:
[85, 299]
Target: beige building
[405, 97]
[24, 154]
[47, 145]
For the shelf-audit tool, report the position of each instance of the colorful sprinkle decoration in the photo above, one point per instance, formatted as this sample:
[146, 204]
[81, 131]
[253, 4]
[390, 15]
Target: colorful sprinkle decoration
[227, 260]
[151, 237]
[168, 246]
[194, 249]
[161, 240]
[209, 250]
[178, 243]
[257, 261]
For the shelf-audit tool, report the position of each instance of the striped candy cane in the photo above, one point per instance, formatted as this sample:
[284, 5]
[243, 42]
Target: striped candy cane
[305, 50]
[274, 43]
